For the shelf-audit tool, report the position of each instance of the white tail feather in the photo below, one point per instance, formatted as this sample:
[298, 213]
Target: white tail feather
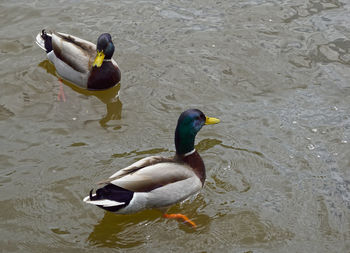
[102, 202]
[40, 41]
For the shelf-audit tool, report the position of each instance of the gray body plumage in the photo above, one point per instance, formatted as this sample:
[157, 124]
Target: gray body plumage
[156, 183]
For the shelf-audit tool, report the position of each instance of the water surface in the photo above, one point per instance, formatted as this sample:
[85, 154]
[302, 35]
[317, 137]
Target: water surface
[275, 72]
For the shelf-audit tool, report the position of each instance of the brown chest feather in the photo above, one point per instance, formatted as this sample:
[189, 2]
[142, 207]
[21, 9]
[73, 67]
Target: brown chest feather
[104, 77]
[195, 161]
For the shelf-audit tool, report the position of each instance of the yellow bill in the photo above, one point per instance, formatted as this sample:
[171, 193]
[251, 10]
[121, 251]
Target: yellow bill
[209, 121]
[99, 59]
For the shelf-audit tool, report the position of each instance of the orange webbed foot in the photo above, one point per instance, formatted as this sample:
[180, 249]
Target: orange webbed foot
[180, 216]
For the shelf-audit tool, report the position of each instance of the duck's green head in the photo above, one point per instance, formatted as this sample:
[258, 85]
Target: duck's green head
[188, 125]
[105, 49]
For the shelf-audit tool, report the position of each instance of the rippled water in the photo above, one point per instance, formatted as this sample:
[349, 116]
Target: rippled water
[276, 72]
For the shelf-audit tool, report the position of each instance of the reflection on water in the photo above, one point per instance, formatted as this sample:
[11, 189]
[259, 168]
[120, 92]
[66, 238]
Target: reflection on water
[5, 113]
[334, 51]
[310, 8]
[247, 228]
[137, 153]
[116, 230]
[207, 144]
[132, 230]
[109, 97]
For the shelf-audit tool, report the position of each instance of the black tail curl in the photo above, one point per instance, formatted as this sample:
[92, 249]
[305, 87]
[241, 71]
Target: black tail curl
[48, 41]
[90, 194]
[113, 192]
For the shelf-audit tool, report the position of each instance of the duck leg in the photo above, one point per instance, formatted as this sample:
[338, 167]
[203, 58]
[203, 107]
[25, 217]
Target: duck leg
[61, 94]
[180, 216]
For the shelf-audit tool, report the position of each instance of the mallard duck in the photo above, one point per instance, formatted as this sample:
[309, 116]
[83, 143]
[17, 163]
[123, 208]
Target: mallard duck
[81, 62]
[155, 181]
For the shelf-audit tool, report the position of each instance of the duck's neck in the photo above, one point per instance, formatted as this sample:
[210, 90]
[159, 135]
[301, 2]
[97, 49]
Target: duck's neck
[185, 151]
[184, 142]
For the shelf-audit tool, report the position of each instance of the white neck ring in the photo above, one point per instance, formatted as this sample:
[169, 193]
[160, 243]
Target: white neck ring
[190, 153]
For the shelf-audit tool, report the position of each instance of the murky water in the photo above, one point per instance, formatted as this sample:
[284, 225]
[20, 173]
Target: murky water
[276, 72]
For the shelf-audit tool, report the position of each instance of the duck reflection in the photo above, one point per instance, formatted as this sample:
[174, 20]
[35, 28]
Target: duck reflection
[132, 230]
[123, 231]
[109, 97]
[207, 144]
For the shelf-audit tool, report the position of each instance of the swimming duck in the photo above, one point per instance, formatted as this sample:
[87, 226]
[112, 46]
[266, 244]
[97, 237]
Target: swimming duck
[81, 62]
[156, 181]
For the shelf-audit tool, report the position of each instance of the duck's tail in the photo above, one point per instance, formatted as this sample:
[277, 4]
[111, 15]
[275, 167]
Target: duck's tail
[44, 41]
[110, 197]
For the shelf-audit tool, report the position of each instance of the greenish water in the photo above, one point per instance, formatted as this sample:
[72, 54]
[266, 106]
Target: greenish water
[275, 72]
